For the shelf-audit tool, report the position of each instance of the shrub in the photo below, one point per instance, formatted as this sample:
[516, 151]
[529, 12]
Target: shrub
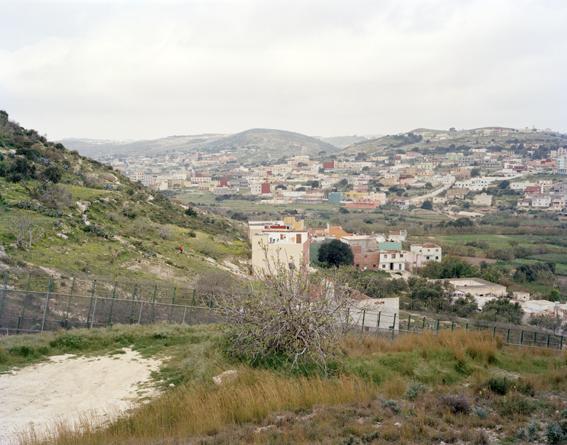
[481, 412]
[499, 385]
[53, 196]
[190, 212]
[392, 405]
[278, 323]
[555, 434]
[69, 342]
[457, 404]
[529, 433]
[414, 390]
[515, 404]
[52, 174]
[20, 169]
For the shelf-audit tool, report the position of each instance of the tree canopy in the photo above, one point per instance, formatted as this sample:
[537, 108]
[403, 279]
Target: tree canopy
[335, 253]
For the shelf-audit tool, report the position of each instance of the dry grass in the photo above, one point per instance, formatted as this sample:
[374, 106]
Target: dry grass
[479, 346]
[199, 410]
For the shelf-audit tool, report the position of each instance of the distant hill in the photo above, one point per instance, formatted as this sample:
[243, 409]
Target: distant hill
[430, 139]
[67, 214]
[100, 148]
[261, 144]
[255, 145]
[343, 141]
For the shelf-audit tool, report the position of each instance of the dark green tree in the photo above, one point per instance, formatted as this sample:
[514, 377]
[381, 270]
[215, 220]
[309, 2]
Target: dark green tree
[335, 253]
[427, 205]
[502, 310]
[52, 174]
[449, 267]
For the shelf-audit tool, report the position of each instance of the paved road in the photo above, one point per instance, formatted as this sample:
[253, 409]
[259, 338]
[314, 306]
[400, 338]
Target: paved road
[419, 199]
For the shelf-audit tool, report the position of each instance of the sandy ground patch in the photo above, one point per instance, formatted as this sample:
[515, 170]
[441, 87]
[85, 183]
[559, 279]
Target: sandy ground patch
[67, 388]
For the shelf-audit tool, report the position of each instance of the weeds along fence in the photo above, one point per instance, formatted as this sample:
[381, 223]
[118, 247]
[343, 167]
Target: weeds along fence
[391, 325]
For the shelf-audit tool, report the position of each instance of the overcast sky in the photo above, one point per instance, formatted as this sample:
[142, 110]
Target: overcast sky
[135, 69]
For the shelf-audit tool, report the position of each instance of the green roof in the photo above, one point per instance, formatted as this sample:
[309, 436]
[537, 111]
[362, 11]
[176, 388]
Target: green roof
[390, 245]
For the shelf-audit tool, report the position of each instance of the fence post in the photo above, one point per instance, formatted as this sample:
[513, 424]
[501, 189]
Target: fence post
[131, 318]
[93, 290]
[68, 307]
[561, 343]
[4, 291]
[363, 320]
[508, 336]
[378, 322]
[535, 338]
[184, 313]
[409, 322]
[113, 297]
[172, 303]
[522, 337]
[94, 310]
[394, 325]
[493, 331]
[437, 326]
[467, 326]
[46, 308]
[22, 316]
[452, 325]
[154, 304]
[423, 324]
[140, 313]
[548, 339]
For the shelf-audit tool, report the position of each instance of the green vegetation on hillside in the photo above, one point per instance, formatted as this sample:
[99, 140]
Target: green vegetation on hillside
[75, 216]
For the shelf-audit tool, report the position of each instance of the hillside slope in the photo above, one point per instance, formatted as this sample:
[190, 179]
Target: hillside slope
[66, 214]
[430, 139]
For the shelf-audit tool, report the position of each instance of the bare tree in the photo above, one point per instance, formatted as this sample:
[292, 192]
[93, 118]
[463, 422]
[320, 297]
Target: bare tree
[289, 317]
[25, 230]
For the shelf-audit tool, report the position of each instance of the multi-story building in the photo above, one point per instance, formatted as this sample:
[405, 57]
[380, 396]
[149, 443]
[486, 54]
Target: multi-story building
[561, 161]
[420, 254]
[392, 260]
[277, 248]
[364, 249]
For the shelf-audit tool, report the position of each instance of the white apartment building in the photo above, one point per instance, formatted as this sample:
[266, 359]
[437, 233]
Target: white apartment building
[474, 184]
[274, 249]
[420, 254]
[392, 260]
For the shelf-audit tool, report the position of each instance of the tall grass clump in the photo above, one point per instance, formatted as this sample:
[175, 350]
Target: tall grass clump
[478, 346]
[189, 411]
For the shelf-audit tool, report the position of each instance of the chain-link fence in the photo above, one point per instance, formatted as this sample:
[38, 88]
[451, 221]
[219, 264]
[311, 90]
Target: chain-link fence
[393, 324]
[67, 307]
[24, 311]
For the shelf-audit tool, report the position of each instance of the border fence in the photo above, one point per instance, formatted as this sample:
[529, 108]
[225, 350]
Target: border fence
[93, 305]
[29, 311]
[394, 324]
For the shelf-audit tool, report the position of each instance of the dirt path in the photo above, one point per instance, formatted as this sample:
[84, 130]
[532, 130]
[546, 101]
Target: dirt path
[68, 387]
